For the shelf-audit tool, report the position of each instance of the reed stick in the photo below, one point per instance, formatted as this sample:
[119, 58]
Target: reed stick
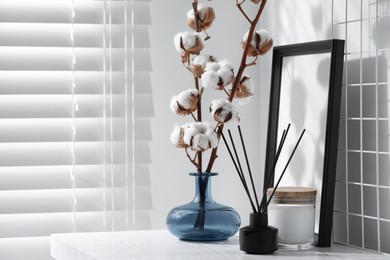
[272, 169]
[249, 168]
[239, 173]
[284, 170]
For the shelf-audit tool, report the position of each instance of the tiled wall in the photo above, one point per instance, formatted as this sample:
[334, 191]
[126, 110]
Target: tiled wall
[362, 201]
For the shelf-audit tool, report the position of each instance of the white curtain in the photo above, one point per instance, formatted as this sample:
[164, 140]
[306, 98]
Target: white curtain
[75, 105]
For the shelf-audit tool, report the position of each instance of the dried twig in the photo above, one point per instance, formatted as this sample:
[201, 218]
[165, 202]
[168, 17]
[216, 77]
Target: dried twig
[237, 80]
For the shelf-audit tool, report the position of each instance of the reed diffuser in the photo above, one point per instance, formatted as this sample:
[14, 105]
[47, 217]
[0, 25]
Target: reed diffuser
[258, 237]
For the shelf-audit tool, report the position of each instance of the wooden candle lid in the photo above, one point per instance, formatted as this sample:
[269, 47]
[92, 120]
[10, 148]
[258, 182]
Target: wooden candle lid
[293, 192]
[292, 195]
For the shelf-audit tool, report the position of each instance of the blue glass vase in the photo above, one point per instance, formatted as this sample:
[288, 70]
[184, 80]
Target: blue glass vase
[203, 219]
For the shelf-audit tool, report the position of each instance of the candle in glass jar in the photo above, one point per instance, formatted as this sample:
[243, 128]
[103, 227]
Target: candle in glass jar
[292, 211]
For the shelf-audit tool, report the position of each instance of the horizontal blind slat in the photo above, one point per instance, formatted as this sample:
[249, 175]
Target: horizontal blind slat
[59, 106]
[142, 129]
[59, 82]
[142, 13]
[59, 35]
[143, 152]
[59, 11]
[142, 59]
[141, 36]
[44, 58]
[142, 83]
[58, 153]
[55, 177]
[61, 200]
[51, 177]
[144, 105]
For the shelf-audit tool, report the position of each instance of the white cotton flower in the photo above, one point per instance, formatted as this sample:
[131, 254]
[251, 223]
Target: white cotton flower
[188, 43]
[185, 103]
[261, 42]
[224, 71]
[190, 130]
[177, 137]
[223, 111]
[226, 76]
[245, 90]
[199, 136]
[206, 15]
[203, 59]
[212, 66]
[200, 142]
[213, 138]
[199, 63]
[210, 79]
[225, 64]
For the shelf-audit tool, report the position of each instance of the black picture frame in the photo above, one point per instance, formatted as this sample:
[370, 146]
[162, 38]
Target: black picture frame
[336, 50]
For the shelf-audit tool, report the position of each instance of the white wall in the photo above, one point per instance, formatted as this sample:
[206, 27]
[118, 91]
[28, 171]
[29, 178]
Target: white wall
[171, 185]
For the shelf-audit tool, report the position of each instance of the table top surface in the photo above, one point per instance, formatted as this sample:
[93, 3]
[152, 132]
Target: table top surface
[160, 244]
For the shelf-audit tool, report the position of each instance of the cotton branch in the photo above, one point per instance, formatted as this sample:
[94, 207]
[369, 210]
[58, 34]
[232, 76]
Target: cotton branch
[243, 64]
[241, 69]
[242, 11]
[196, 82]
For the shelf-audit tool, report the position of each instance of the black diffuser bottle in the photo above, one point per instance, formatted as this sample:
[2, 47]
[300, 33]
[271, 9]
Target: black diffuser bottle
[258, 237]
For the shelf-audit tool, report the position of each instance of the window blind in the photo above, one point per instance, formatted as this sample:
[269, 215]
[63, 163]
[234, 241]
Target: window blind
[75, 108]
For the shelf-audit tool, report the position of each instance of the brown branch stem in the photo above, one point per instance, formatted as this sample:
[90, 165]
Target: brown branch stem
[192, 114]
[246, 49]
[253, 62]
[191, 160]
[242, 11]
[237, 80]
[196, 81]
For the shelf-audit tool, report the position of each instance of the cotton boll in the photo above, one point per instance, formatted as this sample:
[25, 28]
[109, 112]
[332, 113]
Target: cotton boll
[188, 43]
[248, 83]
[188, 99]
[242, 101]
[246, 87]
[244, 91]
[226, 75]
[189, 132]
[264, 35]
[260, 43]
[185, 103]
[225, 64]
[244, 39]
[210, 79]
[212, 66]
[213, 139]
[199, 63]
[200, 142]
[177, 137]
[203, 59]
[206, 15]
[199, 136]
[224, 71]
[223, 111]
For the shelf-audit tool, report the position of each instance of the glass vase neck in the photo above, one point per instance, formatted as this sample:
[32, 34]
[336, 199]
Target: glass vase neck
[203, 186]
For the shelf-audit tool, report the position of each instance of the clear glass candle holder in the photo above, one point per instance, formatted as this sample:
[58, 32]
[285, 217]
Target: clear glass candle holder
[292, 212]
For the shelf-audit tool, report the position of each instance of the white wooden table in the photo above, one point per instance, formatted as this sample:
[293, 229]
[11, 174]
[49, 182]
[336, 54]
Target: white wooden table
[159, 244]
